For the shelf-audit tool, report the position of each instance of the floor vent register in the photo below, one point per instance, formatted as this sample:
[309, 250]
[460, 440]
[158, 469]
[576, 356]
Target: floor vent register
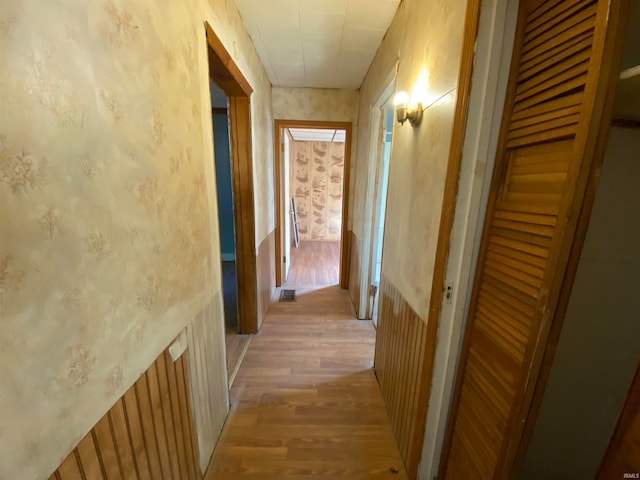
[287, 295]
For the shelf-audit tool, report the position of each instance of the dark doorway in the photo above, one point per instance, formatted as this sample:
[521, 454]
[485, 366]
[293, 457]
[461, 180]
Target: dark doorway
[224, 189]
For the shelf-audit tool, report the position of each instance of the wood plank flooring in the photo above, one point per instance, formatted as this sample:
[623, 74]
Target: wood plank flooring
[305, 402]
[315, 263]
[236, 343]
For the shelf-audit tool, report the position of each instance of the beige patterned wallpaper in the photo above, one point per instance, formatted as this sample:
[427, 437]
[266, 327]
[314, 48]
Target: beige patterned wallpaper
[327, 104]
[425, 40]
[317, 170]
[108, 238]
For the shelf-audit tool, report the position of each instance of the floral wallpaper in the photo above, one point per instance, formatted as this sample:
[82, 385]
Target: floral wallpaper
[108, 232]
[423, 41]
[337, 105]
[317, 170]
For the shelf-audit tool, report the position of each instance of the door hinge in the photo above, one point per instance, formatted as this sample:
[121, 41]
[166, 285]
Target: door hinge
[284, 259]
[373, 290]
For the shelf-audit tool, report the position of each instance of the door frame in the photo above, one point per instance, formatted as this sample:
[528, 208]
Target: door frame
[281, 205]
[371, 195]
[494, 36]
[519, 431]
[224, 72]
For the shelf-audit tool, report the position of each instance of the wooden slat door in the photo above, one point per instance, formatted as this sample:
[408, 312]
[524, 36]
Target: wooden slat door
[561, 69]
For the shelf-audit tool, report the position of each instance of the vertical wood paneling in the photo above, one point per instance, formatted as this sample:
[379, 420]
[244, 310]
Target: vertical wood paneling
[266, 274]
[126, 443]
[354, 270]
[152, 449]
[69, 469]
[89, 458]
[106, 448]
[157, 415]
[122, 439]
[167, 415]
[401, 342]
[185, 417]
[136, 435]
[208, 377]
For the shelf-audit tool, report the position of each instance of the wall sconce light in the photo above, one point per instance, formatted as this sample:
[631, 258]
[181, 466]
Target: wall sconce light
[406, 111]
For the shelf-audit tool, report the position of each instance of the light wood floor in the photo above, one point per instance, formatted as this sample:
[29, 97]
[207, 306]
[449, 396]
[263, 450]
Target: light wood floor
[315, 263]
[305, 402]
[236, 343]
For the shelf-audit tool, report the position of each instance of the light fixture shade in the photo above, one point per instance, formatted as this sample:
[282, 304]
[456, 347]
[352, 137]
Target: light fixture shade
[401, 99]
[402, 113]
[401, 102]
[405, 112]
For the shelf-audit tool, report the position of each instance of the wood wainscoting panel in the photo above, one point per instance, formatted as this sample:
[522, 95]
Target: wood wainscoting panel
[400, 362]
[266, 274]
[147, 434]
[354, 271]
[208, 376]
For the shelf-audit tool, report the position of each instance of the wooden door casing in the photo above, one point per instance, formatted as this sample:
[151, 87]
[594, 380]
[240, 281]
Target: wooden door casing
[562, 62]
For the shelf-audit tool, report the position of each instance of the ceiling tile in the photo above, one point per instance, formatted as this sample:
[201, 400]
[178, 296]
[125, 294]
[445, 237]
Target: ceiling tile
[363, 37]
[356, 57]
[324, 6]
[321, 79]
[352, 76]
[290, 75]
[328, 48]
[321, 25]
[320, 70]
[286, 56]
[370, 13]
[279, 37]
[317, 135]
[317, 43]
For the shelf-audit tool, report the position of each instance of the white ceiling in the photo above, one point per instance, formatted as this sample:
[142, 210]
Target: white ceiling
[317, 43]
[317, 135]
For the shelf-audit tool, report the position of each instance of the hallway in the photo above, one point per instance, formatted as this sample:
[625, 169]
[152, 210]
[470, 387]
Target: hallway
[315, 263]
[305, 400]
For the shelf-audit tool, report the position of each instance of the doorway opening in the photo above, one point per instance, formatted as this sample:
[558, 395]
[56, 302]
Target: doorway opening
[313, 173]
[382, 120]
[234, 178]
[380, 206]
[235, 343]
[312, 185]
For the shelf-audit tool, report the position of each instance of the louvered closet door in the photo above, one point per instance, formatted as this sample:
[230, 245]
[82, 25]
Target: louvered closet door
[554, 104]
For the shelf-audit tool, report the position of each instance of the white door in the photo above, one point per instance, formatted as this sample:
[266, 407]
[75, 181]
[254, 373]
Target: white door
[286, 194]
[382, 119]
[380, 206]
